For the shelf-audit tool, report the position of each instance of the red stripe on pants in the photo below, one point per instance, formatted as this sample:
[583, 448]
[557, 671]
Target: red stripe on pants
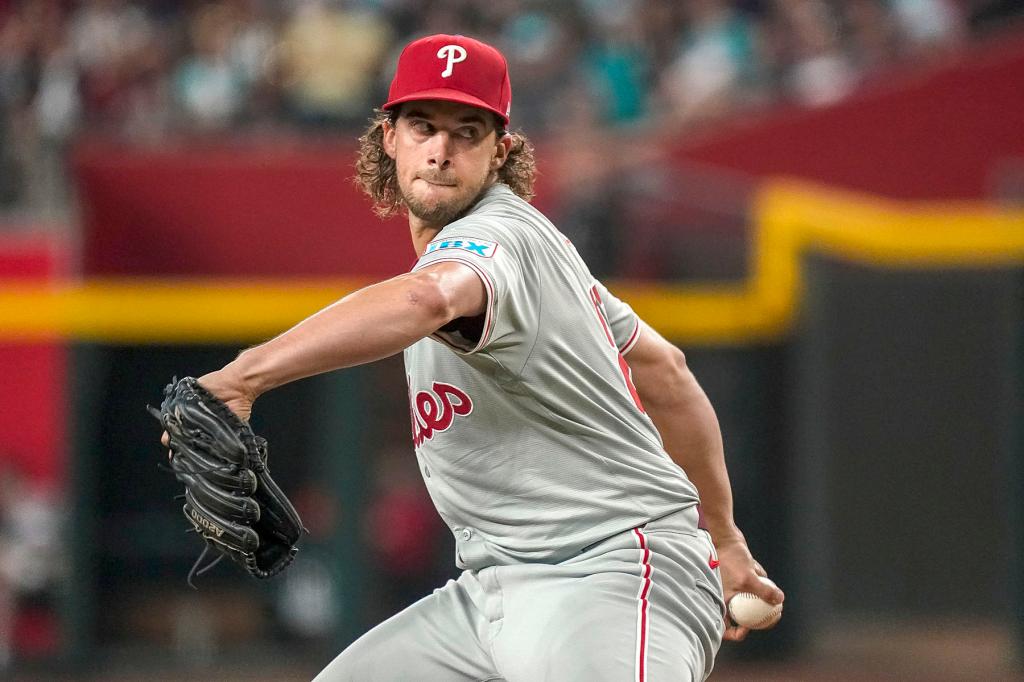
[642, 606]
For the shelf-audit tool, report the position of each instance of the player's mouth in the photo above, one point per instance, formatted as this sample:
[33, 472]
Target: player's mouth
[436, 183]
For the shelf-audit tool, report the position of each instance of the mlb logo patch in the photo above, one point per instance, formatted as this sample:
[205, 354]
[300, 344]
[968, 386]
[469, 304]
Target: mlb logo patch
[477, 247]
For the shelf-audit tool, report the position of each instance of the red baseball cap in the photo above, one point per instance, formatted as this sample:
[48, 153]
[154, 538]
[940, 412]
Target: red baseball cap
[455, 69]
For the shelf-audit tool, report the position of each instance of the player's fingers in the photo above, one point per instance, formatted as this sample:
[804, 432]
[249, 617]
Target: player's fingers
[166, 440]
[769, 591]
[759, 569]
[735, 633]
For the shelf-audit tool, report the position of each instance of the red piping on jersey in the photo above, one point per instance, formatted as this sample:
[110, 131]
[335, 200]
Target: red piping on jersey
[633, 338]
[595, 298]
[627, 373]
[646, 570]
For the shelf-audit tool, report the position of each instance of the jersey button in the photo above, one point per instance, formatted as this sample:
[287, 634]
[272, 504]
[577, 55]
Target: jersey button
[466, 534]
[426, 471]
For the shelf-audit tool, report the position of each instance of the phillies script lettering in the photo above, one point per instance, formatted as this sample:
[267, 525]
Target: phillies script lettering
[434, 411]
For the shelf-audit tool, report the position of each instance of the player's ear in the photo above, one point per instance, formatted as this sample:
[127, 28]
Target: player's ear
[502, 148]
[389, 141]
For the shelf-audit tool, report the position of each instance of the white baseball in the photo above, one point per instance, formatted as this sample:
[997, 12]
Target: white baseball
[750, 611]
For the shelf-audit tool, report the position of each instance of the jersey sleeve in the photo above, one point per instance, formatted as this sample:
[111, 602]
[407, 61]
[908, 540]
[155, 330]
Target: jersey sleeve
[512, 305]
[624, 323]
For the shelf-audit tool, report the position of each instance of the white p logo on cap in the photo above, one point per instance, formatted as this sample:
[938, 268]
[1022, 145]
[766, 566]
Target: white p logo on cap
[454, 54]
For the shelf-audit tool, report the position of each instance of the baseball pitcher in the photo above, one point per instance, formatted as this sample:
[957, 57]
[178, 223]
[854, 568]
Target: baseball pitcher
[564, 442]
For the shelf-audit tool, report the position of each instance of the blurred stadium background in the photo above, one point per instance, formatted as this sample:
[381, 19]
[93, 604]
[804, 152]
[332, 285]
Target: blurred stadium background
[821, 202]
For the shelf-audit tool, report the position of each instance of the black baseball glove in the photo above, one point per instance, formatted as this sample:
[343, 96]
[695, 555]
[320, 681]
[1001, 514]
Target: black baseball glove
[230, 498]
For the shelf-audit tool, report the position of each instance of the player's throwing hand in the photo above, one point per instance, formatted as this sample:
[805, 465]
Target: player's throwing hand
[740, 574]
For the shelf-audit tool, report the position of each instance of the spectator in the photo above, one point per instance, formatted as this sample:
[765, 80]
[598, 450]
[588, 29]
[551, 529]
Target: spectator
[31, 562]
[208, 86]
[714, 63]
[661, 24]
[615, 64]
[541, 52]
[16, 70]
[329, 57]
[55, 113]
[872, 33]
[820, 72]
[109, 39]
[144, 70]
[929, 24]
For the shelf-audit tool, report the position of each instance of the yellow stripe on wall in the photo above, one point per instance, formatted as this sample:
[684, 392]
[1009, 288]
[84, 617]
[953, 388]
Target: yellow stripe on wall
[791, 218]
[140, 310]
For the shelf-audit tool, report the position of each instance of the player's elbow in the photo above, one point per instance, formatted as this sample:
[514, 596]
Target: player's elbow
[664, 378]
[673, 367]
[429, 299]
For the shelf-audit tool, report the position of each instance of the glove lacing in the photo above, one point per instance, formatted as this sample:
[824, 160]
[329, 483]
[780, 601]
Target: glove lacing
[178, 465]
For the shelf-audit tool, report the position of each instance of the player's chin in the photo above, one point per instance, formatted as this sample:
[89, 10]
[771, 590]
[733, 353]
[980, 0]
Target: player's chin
[439, 196]
[435, 208]
[432, 212]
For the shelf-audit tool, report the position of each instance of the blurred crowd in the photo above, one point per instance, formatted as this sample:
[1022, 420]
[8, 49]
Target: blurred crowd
[32, 564]
[148, 70]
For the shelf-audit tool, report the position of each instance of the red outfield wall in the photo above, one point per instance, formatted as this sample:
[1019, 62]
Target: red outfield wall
[944, 130]
[32, 405]
[937, 131]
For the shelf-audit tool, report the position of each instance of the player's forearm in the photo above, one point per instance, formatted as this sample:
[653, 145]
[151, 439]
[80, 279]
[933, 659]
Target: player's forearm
[689, 430]
[370, 324]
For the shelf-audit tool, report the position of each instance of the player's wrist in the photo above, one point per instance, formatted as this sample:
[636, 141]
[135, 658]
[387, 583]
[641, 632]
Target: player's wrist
[725, 533]
[244, 376]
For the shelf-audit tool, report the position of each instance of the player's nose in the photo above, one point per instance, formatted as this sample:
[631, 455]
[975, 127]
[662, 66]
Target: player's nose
[439, 153]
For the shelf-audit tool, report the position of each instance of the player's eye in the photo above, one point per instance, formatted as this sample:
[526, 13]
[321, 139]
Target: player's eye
[421, 126]
[467, 132]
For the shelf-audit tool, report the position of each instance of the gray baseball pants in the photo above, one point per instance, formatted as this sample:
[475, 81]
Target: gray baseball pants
[644, 605]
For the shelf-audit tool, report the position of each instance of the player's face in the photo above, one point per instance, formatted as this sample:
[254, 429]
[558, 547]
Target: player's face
[445, 154]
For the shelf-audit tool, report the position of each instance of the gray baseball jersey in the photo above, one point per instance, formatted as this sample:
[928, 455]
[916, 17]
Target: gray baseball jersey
[578, 535]
[529, 433]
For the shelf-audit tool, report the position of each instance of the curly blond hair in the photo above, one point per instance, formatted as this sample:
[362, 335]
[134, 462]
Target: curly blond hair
[377, 176]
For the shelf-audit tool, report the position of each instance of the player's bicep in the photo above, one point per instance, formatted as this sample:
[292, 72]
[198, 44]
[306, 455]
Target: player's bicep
[463, 287]
[657, 366]
[649, 349]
